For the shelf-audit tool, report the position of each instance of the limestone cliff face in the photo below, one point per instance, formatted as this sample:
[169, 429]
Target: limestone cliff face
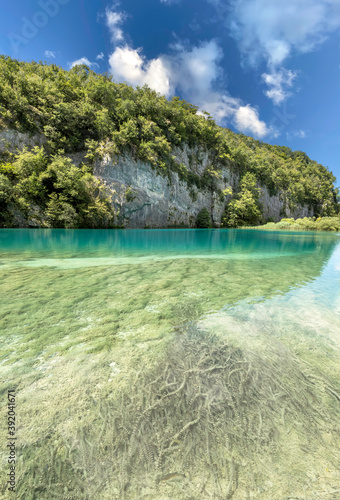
[12, 140]
[144, 198]
[277, 207]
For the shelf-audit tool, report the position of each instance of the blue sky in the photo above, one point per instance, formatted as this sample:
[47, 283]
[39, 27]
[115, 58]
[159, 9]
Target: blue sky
[267, 68]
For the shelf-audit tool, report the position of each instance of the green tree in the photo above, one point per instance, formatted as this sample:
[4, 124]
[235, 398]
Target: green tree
[244, 209]
[203, 219]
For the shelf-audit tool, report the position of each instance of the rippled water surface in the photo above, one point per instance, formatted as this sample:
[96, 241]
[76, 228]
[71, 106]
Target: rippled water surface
[172, 364]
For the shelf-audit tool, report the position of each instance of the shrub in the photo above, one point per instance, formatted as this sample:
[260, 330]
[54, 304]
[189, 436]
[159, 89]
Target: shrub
[284, 225]
[130, 194]
[203, 219]
[328, 224]
[60, 213]
[306, 223]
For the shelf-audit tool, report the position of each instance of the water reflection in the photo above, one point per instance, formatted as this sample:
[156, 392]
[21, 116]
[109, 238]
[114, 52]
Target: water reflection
[60, 242]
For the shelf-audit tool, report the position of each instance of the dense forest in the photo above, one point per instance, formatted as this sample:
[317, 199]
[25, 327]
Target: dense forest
[79, 110]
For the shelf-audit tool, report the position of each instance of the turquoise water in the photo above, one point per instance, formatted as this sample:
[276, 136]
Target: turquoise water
[172, 363]
[232, 243]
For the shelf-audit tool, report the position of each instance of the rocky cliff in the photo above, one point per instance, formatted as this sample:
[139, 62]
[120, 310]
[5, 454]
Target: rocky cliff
[143, 198]
[146, 199]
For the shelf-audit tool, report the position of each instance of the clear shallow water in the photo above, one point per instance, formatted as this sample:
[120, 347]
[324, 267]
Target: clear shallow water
[129, 346]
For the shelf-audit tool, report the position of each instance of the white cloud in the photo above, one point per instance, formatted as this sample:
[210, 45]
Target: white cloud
[158, 77]
[226, 109]
[197, 68]
[278, 82]
[50, 54]
[273, 29]
[100, 56]
[128, 65]
[247, 120]
[83, 60]
[114, 20]
[192, 70]
[196, 72]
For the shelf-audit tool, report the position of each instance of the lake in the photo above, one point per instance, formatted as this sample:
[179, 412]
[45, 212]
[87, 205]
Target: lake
[171, 364]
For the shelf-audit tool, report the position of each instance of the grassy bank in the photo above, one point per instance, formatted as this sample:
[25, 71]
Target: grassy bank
[305, 224]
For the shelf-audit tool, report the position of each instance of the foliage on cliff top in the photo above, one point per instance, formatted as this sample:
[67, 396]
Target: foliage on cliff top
[79, 109]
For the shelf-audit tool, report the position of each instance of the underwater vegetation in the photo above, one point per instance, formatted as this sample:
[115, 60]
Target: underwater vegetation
[208, 419]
